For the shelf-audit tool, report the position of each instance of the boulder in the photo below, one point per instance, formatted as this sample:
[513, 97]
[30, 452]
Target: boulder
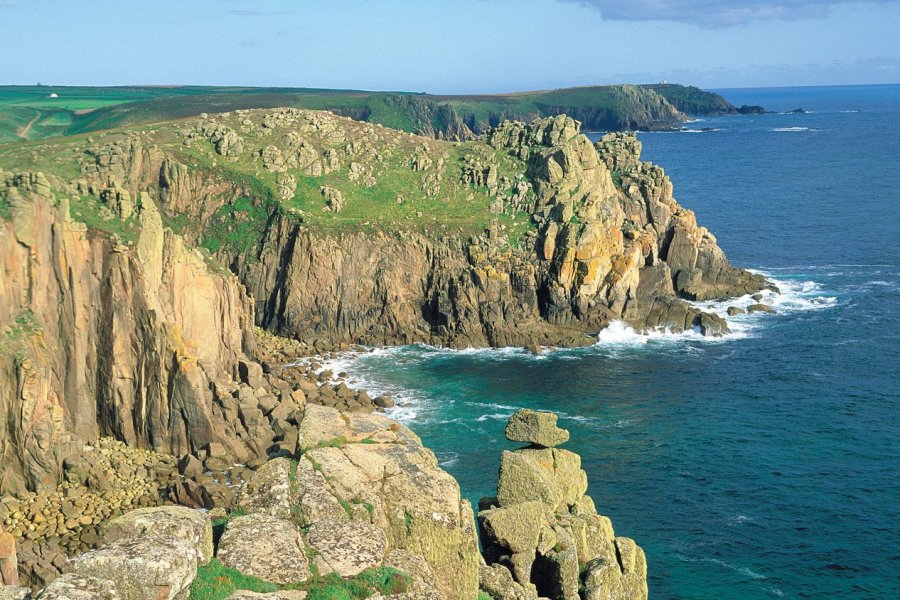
[268, 490]
[157, 567]
[497, 581]
[538, 428]
[550, 475]
[9, 592]
[191, 526]
[516, 528]
[79, 587]
[264, 546]
[759, 307]
[346, 548]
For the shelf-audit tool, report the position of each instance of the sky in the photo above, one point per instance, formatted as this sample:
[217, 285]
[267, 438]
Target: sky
[446, 46]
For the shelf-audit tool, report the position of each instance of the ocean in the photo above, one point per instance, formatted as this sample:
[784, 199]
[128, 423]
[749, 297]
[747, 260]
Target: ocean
[764, 464]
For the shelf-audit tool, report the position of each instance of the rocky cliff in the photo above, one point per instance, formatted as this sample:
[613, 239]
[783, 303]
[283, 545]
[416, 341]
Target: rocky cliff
[339, 231]
[106, 338]
[606, 241]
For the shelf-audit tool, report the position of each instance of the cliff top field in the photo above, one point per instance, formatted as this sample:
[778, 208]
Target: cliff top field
[31, 113]
[329, 172]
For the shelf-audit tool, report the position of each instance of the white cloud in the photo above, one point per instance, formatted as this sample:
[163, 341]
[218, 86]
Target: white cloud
[717, 13]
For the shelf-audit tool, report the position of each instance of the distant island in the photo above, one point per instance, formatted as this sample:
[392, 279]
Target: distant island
[38, 112]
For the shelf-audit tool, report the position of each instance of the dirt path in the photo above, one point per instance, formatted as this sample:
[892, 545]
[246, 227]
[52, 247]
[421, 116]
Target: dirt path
[22, 132]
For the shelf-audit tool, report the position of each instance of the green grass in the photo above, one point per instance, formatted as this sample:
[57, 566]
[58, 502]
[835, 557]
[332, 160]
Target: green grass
[482, 595]
[214, 581]
[86, 109]
[87, 210]
[236, 227]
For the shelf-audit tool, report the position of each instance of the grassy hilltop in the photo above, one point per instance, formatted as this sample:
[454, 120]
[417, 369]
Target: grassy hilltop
[30, 113]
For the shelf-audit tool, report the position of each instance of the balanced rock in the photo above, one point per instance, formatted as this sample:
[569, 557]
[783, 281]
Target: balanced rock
[264, 546]
[542, 536]
[538, 428]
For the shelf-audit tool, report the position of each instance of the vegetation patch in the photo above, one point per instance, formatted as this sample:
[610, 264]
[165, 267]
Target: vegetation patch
[215, 581]
[236, 227]
[12, 339]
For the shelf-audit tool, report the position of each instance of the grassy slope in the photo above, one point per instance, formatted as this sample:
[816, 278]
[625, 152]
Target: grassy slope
[241, 218]
[692, 100]
[80, 109]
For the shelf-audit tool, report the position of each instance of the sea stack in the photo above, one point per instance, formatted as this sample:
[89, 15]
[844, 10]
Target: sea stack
[542, 535]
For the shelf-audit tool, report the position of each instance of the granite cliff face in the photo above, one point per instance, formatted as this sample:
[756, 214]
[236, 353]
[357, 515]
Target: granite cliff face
[107, 339]
[575, 234]
[362, 506]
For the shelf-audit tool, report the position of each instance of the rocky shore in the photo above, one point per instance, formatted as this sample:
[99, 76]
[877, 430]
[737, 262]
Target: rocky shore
[146, 271]
[362, 506]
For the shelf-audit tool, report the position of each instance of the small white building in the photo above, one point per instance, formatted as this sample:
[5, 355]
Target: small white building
[54, 95]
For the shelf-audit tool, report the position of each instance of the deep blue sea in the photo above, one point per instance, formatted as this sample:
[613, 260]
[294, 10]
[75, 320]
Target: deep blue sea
[763, 465]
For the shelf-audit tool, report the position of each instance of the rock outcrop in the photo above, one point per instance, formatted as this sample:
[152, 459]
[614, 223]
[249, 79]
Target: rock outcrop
[542, 535]
[364, 493]
[611, 243]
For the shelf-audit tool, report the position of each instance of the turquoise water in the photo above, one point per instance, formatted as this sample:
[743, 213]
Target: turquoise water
[763, 465]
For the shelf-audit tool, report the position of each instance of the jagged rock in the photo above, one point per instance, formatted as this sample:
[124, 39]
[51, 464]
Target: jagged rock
[734, 311]
[79, 587]
[608, 579]
[269, 490]
[416, 568]
[497, 581]
[346, 548]
[264, 546]
[14, 593]
[334, 199]
[191, 526]
[156, 567]
[763, 308]
[538, 428]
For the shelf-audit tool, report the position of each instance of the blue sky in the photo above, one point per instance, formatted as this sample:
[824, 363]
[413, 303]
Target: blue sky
[438, 46]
